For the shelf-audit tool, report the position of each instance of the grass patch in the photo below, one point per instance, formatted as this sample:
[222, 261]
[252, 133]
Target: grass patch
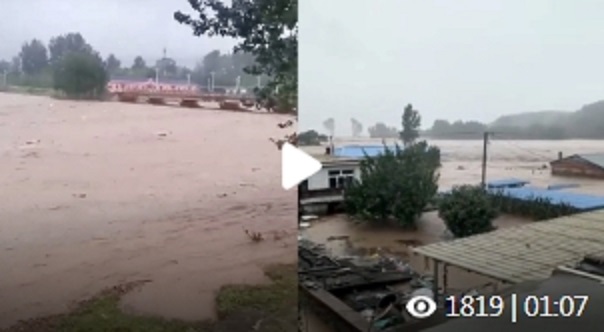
[269, 298]
[266, 308]
[28, 90]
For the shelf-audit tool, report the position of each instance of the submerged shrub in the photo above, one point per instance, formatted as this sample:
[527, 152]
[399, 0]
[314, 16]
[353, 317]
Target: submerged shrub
[467, 210]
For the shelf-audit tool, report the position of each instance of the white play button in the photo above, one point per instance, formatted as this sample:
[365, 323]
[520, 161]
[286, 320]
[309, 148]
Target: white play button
[296, 166]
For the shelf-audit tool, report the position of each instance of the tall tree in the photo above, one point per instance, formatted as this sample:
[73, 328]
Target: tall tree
[411, 121]
[15, 65]
[80, 75]
[210, 63]
[396, 185]
[330, 125]
[34, 57]
[4, 66]
[112, 64]
[70, 43]
[139, 63]
[381, 130]
[267, 29]
[357, 127]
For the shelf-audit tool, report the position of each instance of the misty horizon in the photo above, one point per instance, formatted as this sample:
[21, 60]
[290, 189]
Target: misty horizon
[467, 60]
[125, 29]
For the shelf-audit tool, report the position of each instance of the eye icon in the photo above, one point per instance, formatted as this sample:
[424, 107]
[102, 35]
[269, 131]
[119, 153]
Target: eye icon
[421, 307]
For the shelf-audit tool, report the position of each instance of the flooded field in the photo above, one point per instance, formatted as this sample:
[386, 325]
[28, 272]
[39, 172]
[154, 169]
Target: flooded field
[526, 160]
[462, 160]
[98, 194]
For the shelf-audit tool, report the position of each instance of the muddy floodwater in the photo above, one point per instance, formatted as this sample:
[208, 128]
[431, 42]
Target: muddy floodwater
[97, 194]
[461, 164]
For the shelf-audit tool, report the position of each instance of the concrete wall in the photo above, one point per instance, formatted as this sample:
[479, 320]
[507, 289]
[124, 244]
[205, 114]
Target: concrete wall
[319, 181]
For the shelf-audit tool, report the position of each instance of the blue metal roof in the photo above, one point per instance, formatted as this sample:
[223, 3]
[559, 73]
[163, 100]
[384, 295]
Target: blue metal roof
[359, 151]
[583, 202]
[562, 186]
[505, 183]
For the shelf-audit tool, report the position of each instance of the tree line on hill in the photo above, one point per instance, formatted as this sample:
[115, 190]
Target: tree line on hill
[68, 63]
[584, 123]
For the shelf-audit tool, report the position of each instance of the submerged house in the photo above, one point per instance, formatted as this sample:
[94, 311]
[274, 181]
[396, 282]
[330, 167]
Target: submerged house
[582, 165]
[341, 166]
[326, 187]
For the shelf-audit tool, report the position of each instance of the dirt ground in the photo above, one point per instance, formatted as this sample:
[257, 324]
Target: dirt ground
[98, 194]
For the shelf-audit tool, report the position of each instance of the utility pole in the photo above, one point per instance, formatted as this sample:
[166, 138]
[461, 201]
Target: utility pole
[485, 142]
[212, 77]
[237, 84]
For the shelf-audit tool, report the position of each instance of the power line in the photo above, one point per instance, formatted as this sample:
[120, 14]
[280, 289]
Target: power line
[508, 142]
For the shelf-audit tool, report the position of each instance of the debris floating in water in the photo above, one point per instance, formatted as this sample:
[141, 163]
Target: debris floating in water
[304, 225]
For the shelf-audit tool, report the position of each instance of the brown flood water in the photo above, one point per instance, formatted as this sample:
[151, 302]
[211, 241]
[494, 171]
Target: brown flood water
[98, 194]
[461, 165]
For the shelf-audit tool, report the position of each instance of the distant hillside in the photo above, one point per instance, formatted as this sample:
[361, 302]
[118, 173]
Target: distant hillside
[527, 119]
[585, 123]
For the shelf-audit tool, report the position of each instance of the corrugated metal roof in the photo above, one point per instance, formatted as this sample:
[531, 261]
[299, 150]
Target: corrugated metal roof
[524, 253]
[583, 202]
[506, 183]
[359, 151]
[594, 158]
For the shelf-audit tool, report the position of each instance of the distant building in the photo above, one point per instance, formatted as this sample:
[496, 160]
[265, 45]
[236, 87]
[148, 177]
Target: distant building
[582, 165]
[149, 85]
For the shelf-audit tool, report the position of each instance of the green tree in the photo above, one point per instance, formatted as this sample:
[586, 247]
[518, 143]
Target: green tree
[266, 29]
[211, 63]
[4, 66]
[311, 137]
[467, 210]
[34, 57]
[112, 64]
[80, 75]
[225, 68]
[411, 121]
[139, 64]
[15, 65]
[330, 125]
[357, 127]
[70, 43]
[396, 185]
[380, 130]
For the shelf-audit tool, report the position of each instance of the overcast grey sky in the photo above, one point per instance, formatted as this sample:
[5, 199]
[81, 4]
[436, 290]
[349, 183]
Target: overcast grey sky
[462, 59]
[126, 28]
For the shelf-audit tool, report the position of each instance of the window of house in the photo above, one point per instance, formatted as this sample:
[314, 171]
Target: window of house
[340, 178]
